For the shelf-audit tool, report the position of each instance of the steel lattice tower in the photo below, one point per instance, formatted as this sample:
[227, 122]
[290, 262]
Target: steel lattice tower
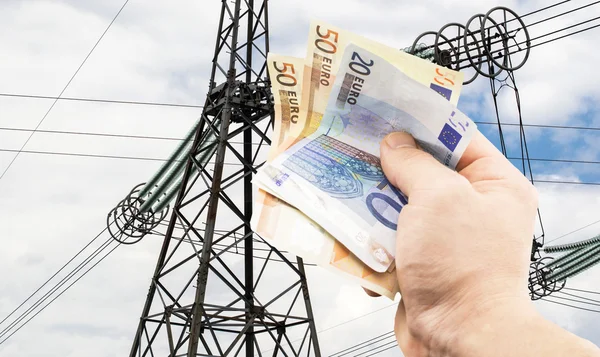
[204, 301]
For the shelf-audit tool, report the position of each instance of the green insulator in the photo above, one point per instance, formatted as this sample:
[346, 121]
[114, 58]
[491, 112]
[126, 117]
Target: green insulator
[584, 262]
[160, 189]
[175, 172]
[567, 258]
[574, 245]
[179, 152]
[202, 158]
[580, 268]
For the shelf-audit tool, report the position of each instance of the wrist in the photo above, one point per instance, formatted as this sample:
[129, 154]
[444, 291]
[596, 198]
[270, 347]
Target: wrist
[483, 324]
[513, 329]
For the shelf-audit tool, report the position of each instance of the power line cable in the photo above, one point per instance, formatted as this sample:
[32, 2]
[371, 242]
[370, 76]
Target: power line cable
[569, 182]
[60, 294]
[544, 8]
[564, 13]
[387, 346]
[569, 305]
[575, 231]
[240, 164]
[65, 87]
[159, 159]
[575, 300]
[378, 352]
[94, 100]
[548, 126]
[557, 160]
[345, 322]
[597, 302]
[99, 156]
[56, 287]
[124, 136]
[364, 344]
[583, 291]
[53, 276]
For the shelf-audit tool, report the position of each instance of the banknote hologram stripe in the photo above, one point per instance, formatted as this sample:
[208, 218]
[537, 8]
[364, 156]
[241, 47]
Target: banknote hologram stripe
[344, 90]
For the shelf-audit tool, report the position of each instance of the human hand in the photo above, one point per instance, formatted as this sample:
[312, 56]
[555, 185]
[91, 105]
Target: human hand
[463, 241]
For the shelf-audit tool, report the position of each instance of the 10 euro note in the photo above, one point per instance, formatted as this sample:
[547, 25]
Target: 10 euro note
[334, 175]
[283, 225]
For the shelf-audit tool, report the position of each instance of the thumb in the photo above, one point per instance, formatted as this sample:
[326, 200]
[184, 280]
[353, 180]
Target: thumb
[409, 168]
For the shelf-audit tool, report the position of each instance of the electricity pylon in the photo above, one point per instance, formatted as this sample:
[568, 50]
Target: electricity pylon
[206, 298]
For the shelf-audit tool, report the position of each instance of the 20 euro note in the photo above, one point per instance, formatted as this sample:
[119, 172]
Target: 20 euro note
[283, 225]
[326, 45]
[334, 175]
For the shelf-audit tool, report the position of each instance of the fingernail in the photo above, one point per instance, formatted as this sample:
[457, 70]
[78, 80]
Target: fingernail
[400, 139]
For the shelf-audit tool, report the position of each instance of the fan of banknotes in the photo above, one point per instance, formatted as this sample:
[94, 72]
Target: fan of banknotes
[322, 194]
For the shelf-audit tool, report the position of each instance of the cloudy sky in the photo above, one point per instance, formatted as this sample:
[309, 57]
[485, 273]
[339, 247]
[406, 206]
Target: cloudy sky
[160, 51]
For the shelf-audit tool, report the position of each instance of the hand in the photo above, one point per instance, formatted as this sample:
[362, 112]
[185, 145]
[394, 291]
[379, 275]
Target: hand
[463, 241]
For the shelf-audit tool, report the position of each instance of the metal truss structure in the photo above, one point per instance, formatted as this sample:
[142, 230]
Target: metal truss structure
[211, 292]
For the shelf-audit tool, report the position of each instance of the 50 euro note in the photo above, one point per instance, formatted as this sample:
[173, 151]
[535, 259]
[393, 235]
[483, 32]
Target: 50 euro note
[334, 175]
[283, 225]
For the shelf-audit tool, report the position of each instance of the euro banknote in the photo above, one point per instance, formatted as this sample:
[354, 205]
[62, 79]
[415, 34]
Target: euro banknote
[283, 225]
[285, 73]
[333, 174]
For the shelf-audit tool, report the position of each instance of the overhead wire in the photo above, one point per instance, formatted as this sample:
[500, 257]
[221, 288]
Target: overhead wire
[583, 291]
[95, 100]
[346, 322]
[381, 351]
[59, 294]
[119, 157]
[12, 328]
[64, 88]
[109, 135]
[575, 300]
[568, 305]
[100, 156]
[53, 276]
[575, 231]
[167, 138]
[564, 13]
[386, 346]
[544, 126]
[363, 344]
[595, 301]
